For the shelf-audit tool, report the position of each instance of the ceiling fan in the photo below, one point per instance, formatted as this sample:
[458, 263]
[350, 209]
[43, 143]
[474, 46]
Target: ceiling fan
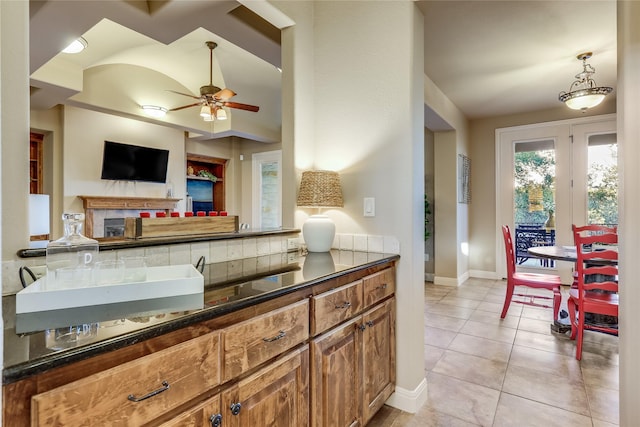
[212, 98]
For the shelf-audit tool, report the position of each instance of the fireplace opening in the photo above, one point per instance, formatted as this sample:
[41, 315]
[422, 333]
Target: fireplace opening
[113, 227]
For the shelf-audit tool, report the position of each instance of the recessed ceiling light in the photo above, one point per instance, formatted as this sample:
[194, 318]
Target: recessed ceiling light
[154, 110]
[76, 46]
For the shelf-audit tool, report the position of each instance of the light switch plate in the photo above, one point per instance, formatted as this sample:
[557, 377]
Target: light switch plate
[369, 206]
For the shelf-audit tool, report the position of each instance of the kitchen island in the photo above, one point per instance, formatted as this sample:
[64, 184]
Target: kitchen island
[291, 339]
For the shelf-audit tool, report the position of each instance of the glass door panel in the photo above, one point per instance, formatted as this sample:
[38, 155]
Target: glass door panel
[534, 197]
[602, 180]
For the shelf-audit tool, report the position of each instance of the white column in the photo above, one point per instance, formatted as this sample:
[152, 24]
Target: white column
[628, 109]
[355, 104]
[14, 126]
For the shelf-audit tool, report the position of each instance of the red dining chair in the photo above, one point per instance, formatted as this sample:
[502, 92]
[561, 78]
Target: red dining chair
[533, 280]
[597, 281]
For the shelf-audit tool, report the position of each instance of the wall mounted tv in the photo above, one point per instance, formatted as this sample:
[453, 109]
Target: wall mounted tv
[134, 163]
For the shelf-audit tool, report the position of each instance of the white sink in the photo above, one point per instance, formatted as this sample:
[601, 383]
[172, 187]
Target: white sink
[165, 281]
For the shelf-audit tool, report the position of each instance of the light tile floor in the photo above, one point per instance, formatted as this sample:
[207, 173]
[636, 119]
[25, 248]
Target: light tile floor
[485, 371]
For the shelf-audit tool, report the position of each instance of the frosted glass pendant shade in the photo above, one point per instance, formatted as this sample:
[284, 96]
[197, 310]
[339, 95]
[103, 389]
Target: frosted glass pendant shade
[318, 232]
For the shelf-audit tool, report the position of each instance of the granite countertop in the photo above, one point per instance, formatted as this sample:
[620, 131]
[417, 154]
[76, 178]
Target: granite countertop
[36, 342]
[123, 243]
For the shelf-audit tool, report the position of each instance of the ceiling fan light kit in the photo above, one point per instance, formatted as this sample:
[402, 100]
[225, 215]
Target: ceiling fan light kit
[583, 92]
[154, 110]
[212, 99]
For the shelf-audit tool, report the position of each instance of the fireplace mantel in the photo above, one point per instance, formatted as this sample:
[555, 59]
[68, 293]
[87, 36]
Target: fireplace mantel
[93, 203]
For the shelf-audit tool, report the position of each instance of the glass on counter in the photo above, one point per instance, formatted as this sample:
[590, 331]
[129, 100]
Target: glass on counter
[70, 259]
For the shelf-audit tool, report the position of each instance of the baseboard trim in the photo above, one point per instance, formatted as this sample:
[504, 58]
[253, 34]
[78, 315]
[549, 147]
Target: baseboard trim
[482, 274]
[448, 281]
[409, 400]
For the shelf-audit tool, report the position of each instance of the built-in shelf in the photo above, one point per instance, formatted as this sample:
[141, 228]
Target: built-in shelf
[202, 178]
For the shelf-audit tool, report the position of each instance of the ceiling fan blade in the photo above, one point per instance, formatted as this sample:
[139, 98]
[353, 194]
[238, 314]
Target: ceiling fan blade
[224, 94]
[184, 94]
[239, 106]
[185, 106]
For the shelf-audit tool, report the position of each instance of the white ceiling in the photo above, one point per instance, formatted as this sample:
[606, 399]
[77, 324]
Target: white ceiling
[489, 57]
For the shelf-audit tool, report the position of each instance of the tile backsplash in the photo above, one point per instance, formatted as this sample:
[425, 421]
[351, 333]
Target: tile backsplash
[214, 251]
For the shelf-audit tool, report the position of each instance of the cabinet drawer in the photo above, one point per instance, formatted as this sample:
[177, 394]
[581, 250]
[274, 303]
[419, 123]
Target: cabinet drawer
[333, 307]
[208, 413]
[379, 286]
[160, 382]
[249, 343]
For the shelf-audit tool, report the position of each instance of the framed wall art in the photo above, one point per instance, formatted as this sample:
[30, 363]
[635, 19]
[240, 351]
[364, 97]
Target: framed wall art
[464, 179]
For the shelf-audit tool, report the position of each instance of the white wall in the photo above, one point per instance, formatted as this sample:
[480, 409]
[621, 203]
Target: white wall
[14, 129]
[629, 136]
[374, 140]
[80, 165]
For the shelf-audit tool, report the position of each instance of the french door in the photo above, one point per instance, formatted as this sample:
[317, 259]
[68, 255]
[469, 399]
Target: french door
[550, 176]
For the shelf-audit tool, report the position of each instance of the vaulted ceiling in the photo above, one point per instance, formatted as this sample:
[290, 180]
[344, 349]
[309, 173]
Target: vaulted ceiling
[489, 57]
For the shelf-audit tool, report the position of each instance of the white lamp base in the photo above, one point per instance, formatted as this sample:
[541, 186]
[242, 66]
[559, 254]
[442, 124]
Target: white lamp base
[318, 232]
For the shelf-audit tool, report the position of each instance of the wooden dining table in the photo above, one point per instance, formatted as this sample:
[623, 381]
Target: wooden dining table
[568, 253]
[560, 253]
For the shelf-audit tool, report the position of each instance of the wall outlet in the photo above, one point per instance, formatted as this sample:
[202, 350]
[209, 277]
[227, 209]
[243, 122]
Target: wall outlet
[426, 257]
[293, 244]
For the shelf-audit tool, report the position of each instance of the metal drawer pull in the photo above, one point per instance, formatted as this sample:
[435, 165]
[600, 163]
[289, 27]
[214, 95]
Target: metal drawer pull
[382, 286]
[235, 408]
[280, 335]
[165, 387]
[370, 323]
[216, 420]
[346, 304]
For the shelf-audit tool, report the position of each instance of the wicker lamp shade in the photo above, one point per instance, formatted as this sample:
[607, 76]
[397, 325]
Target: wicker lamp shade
[320, 189]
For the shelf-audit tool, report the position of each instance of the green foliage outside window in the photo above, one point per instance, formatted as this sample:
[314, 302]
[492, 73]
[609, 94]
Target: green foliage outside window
[427, 215]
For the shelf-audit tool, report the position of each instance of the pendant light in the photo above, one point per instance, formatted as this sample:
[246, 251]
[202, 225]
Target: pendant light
[584, 93]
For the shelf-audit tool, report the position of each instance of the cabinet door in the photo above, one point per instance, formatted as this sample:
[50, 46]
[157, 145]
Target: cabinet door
[277, 395]
[335, 377]
[378, 352]
[206, 414]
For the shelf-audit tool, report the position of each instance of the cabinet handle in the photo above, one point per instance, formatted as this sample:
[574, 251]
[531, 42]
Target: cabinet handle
[382, 287]
[280, 335]
[346, 304]
[235, 408]
[216, 420]
[165, 387]
[370, 323]
[362, 327]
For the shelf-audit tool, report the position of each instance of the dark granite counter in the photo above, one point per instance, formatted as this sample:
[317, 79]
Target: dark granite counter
[34, 343]
[122, 243]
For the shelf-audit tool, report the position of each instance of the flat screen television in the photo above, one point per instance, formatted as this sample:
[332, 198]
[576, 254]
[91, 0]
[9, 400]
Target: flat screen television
[134, 163]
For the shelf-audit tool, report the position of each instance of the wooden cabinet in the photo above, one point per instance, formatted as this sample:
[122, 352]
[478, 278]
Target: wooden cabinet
[195, 182]
[323, 355]
[206, 414]
[35, 162]
[254, 341]
[333, 307]
[378, 357]
[135, 392]
[353, 365]
[277, 395]
[335, 376]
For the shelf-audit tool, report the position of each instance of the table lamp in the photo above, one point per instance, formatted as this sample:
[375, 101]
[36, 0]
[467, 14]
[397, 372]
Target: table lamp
[319, 189]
